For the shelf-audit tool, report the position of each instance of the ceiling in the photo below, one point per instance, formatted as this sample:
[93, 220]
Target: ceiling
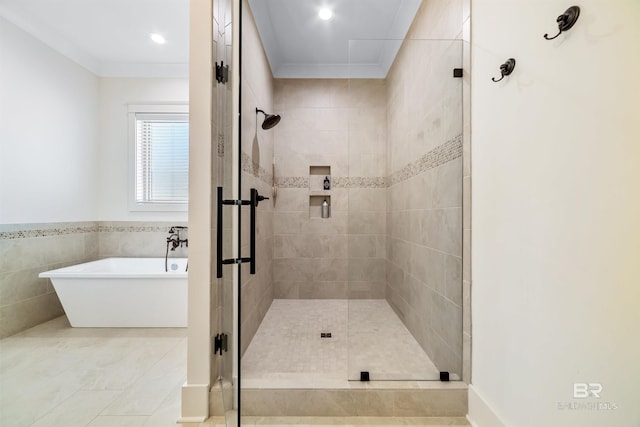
[360, 41]
[111, 37]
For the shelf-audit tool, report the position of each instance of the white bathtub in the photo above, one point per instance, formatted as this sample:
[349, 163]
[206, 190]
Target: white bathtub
[123, 292]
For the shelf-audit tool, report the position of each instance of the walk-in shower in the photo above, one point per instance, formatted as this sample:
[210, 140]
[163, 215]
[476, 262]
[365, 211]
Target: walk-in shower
[369, 297]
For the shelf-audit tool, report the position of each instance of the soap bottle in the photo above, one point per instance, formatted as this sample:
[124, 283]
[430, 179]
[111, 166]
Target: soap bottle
[327, 183]
[325, 209]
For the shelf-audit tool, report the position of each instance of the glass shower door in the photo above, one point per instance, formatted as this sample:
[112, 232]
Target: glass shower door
[225, 306]
[405, 211]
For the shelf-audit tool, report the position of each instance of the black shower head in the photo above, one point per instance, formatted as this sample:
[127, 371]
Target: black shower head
[270, 120]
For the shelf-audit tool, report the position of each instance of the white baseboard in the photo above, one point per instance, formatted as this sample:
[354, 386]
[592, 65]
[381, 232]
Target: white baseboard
[480, 413]
[194, 403]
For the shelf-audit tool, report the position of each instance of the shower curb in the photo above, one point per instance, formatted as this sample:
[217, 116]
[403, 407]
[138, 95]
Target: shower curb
[374, 402]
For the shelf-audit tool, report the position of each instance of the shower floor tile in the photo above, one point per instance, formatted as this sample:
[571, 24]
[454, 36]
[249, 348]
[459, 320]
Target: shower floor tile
[366, 335]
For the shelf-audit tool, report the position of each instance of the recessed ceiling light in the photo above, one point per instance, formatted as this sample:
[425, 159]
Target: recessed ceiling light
[157, 38]
[325, 14]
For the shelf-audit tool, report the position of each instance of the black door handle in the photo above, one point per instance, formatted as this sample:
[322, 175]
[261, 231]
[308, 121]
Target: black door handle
[256, 198]
[253, 203]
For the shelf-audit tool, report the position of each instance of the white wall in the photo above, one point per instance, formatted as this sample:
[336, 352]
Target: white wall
[202, 170]
[556, 205]
[48, 133]
[115, 96]
[63, 135]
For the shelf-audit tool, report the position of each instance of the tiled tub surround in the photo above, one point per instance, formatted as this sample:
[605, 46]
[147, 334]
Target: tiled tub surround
[137, 239]
[26, 250]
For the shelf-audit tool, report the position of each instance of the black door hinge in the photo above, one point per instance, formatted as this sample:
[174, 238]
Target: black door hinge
[222, 73]
[220, 343]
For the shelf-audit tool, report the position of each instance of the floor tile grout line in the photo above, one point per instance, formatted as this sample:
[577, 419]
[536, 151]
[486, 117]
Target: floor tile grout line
[67, 399]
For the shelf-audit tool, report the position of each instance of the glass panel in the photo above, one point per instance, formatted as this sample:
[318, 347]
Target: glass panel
[405, 210]
[257, 121]
[227, 178]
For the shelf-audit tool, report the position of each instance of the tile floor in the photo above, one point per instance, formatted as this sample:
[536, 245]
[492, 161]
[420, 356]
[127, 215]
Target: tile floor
[366, 335]
[54, 375]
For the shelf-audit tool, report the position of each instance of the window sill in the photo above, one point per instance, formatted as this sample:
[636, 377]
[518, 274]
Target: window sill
[158, 207]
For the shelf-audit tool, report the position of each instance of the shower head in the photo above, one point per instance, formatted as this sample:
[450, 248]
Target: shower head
[270, 120]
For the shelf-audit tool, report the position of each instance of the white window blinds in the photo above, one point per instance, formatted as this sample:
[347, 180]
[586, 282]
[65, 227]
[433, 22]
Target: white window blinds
[162, 158]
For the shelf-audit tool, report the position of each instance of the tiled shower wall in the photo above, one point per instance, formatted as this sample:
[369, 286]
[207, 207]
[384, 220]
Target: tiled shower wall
[29, 249]
[256, 161]
[341, 125]
[424, 215]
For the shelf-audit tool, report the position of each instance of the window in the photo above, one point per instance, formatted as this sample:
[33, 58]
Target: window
[160, 152]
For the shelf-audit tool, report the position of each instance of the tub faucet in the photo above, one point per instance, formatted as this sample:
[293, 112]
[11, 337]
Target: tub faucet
[174, 241]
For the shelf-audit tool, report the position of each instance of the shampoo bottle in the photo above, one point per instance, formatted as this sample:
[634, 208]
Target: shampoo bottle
[327, 183]
[325, 209]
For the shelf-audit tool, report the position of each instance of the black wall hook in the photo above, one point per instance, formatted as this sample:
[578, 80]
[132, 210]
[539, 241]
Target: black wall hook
[506, 69]
[566, 21]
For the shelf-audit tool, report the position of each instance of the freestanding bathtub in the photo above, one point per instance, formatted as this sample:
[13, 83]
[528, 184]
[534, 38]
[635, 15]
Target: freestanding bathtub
[123, 292]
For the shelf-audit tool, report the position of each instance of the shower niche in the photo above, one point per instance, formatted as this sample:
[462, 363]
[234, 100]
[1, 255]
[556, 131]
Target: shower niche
[320, 192]
[316, 205]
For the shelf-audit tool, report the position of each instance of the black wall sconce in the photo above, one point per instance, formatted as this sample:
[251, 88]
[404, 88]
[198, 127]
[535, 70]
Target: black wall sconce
[506, 69]
[566, 21]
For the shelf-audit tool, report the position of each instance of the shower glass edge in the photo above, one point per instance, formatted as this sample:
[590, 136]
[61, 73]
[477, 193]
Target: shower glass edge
[226, 24]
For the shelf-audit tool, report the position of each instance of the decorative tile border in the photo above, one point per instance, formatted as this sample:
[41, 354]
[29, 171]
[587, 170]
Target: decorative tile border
[59, 230]
[26, 231]
[256, 170]
[220, 145]
[135, 228]
[292, 182]
[336, 182]
[440, 155]
[360, 182]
